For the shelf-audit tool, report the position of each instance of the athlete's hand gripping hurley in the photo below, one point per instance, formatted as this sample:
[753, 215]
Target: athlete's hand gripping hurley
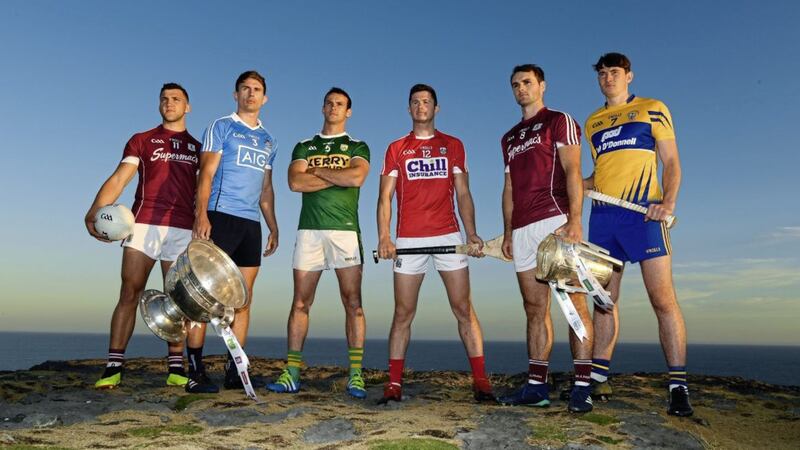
[669, 221]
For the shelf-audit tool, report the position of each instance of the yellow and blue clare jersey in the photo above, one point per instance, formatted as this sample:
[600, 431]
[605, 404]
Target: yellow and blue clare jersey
[623, 141]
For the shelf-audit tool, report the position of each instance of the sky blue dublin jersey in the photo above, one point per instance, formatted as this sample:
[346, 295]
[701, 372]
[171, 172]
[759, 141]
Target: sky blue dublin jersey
[246, 153]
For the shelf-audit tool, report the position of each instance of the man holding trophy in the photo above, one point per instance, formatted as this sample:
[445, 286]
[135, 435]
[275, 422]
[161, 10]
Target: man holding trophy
[543, 194]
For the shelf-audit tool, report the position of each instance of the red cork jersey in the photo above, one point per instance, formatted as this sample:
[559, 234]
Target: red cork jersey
[530, 154]
[167, 163]
[425, 169]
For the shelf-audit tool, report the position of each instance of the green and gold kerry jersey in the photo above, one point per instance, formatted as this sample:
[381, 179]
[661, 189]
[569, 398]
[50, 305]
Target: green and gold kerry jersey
[336, 207]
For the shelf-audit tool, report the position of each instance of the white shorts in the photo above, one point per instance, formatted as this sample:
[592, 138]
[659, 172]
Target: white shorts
[416, 264]
[525, 241]
[326, 249]
[158, 242]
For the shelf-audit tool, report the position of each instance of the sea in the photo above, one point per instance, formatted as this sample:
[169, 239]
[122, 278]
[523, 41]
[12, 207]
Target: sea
[770, 364]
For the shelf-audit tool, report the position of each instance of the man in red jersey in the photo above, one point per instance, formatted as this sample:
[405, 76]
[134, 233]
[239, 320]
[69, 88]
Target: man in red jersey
[543, 194]
[426, 168]
[166, 159]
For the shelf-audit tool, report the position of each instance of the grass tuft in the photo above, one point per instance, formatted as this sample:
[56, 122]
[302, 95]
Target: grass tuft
[599, 419]
[412, 444]
[549, 432]
[609, 440]
[152, 432]
[184, 401]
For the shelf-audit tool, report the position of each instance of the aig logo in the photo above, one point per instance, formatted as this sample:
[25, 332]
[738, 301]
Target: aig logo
[252, 158]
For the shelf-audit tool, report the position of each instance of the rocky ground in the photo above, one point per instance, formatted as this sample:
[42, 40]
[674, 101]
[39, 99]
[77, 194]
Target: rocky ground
[53, 405]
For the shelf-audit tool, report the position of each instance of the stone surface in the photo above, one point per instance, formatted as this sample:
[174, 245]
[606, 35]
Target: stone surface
[57, 406]
[330, 431]
[647, 431]
[502, 429]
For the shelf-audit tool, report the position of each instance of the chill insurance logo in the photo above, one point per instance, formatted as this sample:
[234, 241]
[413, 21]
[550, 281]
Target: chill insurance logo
[422, 168]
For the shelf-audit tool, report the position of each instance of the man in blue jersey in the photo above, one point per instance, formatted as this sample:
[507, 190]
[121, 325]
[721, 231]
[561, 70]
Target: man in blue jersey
[234, 189]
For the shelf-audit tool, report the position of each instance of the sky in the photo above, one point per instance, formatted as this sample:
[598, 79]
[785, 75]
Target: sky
[79, 78]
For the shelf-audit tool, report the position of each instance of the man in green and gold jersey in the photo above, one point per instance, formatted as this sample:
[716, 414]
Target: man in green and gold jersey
[328, 169]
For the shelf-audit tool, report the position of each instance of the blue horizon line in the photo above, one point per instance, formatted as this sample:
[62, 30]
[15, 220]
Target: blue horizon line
[420, 340]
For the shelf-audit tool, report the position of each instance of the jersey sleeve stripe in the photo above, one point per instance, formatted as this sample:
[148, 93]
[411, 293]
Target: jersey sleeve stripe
[130, 160]
[572, 138]
[570, 129]
[209, 138]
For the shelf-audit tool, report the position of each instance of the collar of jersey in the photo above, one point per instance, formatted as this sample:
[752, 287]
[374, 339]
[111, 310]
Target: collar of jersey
[331, 136]
[630, 99]
[424, 138]
[530, 119]
[236, 117]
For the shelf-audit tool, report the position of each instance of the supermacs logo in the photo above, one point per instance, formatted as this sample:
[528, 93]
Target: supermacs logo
[160, 154]
[421, 168]
[518, 149]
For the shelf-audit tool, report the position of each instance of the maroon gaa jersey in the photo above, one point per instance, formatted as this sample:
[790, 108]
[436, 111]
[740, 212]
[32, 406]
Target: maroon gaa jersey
[530, 154]
[167, 163]
[425, 170]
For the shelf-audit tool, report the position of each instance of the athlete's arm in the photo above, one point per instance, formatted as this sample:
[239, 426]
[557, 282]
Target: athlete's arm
[466, 209]
[508, 208]
[588, 182]
[109, 193]
[386, 248]
[302, 181]
[667, 151]
[352, 176]
[209, 161]
[267, 203]
[570, 156]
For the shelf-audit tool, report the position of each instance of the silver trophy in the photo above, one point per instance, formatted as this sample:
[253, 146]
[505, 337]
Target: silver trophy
[557, 261]
[204, 284]
[576, 268]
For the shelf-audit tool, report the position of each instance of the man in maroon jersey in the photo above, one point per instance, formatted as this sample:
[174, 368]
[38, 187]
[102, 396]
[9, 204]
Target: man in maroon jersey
[166, 159]
[543, 194]
[425, 168]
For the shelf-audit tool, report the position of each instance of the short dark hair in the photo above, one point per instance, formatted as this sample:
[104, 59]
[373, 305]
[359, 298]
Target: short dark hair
[251, 74]
[613, 60]
[528, 68]
[173, 86]
[423, 88]
[337, 90]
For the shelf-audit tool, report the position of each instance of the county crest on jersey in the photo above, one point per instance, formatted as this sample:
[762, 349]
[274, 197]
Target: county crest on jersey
[336, 207]
[425, 170]
[623, 140]
[246, 153]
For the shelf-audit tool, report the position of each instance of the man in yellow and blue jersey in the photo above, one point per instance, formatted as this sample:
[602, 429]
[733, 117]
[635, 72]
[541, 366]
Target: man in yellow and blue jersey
[628, 136]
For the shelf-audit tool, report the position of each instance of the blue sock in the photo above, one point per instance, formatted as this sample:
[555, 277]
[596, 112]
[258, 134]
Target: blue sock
[677, 377]
[600, 368]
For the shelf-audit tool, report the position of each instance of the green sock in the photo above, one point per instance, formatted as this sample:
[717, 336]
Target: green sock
[355, 355]
[294, 360]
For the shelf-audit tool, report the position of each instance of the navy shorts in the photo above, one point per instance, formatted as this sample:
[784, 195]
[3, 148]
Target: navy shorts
[239, 238]
[626, 235]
